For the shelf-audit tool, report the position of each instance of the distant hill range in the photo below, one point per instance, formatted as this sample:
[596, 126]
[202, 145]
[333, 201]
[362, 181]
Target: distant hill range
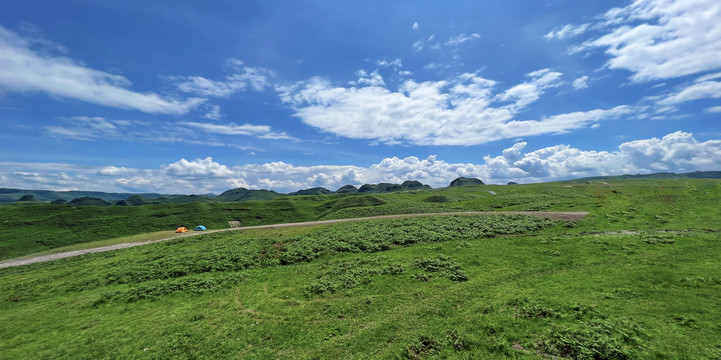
[233, 195]
[12, 195]
[243, 194]
[661, 175]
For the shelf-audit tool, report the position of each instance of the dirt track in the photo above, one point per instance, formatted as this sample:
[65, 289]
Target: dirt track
[567, 216]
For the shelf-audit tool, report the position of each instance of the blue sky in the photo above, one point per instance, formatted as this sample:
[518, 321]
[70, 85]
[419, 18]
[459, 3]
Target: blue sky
[197, 97]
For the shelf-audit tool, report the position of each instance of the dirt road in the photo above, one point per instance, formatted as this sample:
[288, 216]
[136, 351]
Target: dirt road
[567, 216]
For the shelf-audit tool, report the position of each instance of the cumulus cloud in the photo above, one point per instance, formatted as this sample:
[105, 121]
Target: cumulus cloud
[677, 152]
[199, 167]
[464, 110]
[366, 79]
[526, 93]
[659, 39]
[243, 78]
[27, 69]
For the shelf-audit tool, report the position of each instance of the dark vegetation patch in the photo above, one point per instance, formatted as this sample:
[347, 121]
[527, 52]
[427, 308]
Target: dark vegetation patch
[349, 202]
[441, 264]
[699, 281]
[193, 284]
[353, 273]
[347, 275]
[595, 338]
[89, 200]
[374, 236]
[423, 347]
[437, 199]
[579, 331]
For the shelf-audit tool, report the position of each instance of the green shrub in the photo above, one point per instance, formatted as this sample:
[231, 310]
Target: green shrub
[422, 348]
[437, 199]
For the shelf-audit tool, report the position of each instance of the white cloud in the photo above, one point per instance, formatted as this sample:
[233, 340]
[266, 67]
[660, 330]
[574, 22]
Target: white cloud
[244, 78]
[461, 38]
[213, 113]
[89, 128]
[28, 69]
[366, 79]
[714, 109]
[580, 83]
[135, 182]
[417, 46]
[394, 63]
[199, 167]
[567, 31]
[464, 110]
[660, 39]
[708, 77]
[415, 26]
[526, 93]
[702, 90]
[260, 131]
[113, 171]
[86, 128]
[677, 152]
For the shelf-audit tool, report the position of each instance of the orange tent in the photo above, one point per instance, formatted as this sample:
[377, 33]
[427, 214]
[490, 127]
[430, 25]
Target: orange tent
[181, 230]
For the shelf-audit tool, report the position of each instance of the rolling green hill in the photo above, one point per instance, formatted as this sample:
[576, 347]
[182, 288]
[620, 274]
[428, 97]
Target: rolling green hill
[408, 185]
[465, 181]
[312, 191]
[638, 278]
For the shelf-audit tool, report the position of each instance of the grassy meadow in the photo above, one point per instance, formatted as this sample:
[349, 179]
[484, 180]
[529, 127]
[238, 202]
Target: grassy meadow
[32, 228]
[638, 278]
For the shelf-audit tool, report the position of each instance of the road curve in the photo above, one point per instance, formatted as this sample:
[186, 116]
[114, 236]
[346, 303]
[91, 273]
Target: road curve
[567, 216]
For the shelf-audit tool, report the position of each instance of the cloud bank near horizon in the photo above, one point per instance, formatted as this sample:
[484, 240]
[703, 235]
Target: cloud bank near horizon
[678, 151]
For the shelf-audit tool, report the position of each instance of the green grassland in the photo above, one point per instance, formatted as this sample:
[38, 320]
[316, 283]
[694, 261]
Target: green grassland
[31, 228]
[638, 278]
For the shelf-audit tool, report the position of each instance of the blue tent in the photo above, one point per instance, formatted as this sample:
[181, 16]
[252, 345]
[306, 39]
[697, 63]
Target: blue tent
[200, 228]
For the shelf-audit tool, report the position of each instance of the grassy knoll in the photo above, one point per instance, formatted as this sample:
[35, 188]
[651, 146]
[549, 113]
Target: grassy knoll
[638, 278]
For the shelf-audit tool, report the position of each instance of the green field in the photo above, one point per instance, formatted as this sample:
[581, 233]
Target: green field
[638, 278]
[31, 228]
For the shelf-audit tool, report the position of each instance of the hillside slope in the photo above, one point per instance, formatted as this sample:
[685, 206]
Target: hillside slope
[638, 278]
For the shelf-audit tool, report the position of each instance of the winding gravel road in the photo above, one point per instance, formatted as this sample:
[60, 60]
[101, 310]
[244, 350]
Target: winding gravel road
[567, 216]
